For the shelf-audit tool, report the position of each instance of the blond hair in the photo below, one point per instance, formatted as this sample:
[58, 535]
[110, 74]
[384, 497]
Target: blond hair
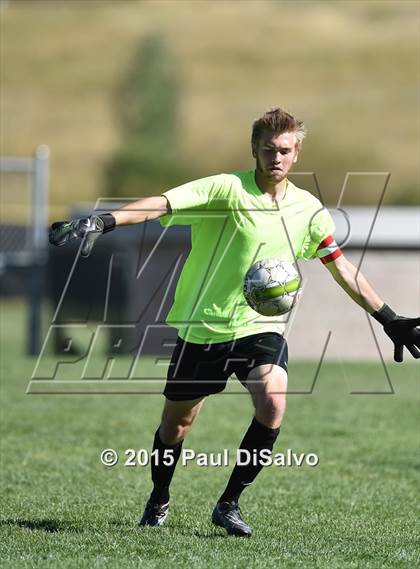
[278, 121]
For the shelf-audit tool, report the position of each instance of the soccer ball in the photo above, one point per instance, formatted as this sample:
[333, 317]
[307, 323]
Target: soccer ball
[271, 287]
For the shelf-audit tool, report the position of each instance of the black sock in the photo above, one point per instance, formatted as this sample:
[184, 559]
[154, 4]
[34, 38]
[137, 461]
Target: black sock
[162, 473]
[257, 437]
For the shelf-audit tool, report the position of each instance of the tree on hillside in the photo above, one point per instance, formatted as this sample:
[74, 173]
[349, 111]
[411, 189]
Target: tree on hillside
[147, 102]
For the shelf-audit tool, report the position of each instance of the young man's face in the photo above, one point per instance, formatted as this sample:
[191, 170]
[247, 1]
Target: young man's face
[275, 154]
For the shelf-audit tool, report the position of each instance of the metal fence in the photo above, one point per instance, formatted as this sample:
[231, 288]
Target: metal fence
[25, 245]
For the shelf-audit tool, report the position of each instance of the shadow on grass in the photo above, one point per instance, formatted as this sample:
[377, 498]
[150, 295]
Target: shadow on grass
[210, 535]
[49, 526]
[124, 524]
[172, 528]
[56, 526]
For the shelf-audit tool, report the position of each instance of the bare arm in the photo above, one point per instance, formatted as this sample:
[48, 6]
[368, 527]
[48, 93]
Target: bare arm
[145, 209]
[355, 284]
[401, 330]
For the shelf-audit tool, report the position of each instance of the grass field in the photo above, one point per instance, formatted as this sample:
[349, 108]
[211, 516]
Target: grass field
[61, 508]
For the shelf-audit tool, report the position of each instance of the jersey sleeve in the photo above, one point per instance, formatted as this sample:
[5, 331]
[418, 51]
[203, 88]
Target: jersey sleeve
[189, 201]
[320, 226]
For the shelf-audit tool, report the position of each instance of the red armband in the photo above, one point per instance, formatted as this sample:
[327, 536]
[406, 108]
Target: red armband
[328, 250]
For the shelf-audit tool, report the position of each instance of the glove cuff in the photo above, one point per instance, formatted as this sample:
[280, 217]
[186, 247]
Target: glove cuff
[384, 315]
[109, 222]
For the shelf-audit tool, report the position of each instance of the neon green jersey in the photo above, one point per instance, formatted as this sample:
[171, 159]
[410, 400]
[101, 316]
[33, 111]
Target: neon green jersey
[233, 225]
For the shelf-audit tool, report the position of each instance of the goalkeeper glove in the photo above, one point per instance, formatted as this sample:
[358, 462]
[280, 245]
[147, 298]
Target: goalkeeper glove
[88, 229]
[402, 331]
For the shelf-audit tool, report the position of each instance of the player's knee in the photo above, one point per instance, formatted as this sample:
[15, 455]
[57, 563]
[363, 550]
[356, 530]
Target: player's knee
[270, 409]
[172, 432]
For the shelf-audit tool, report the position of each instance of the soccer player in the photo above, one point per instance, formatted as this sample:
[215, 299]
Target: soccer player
[235, 220]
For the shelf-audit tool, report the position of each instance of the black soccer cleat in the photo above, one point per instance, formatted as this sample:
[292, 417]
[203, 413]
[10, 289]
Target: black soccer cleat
[154, 514]
[228, 515]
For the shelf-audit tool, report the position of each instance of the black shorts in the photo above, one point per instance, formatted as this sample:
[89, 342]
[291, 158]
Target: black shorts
[197, 370]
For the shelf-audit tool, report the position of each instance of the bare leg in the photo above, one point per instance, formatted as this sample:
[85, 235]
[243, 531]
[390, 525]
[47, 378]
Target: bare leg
[267, 384]
[177, 420]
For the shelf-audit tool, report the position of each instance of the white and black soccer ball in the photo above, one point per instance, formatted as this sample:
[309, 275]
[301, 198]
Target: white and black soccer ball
[272, 287]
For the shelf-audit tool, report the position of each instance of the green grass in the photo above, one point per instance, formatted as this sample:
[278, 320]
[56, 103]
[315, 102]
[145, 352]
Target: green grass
[61, 508]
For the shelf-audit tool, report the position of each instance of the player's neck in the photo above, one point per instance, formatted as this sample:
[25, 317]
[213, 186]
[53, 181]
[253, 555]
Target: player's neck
[266, 186]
